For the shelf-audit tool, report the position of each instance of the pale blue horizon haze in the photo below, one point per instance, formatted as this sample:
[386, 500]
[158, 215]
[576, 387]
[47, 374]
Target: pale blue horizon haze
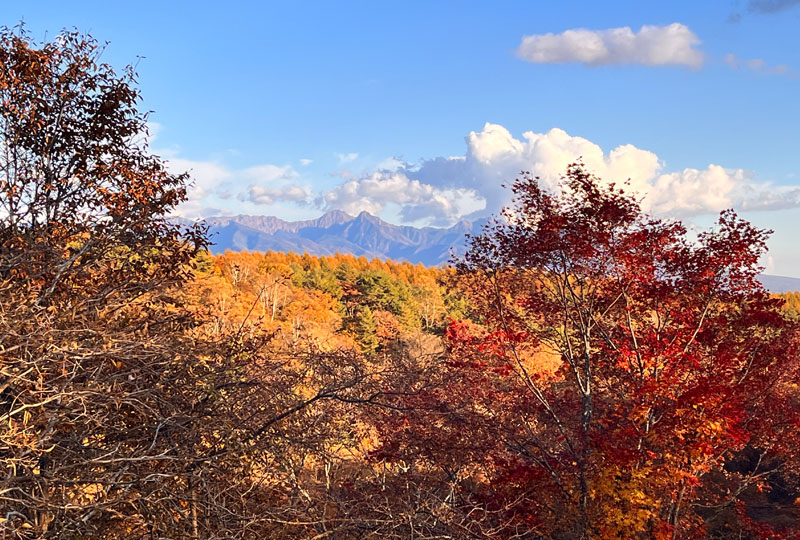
[419, 111]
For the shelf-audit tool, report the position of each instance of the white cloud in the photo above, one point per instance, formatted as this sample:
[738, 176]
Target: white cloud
[347, 158]
[765, 196]
[145, 137]
[443, 190]
[390, 164]
[264, 195]
[205, 176]
[305, 162]
[153, 129]
[693, 191]
[212, 183]
[495, 157]
[417, 201]
[673, 44]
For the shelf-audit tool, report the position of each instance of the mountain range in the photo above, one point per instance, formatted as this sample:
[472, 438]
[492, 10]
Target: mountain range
[366, 235]
[337, 231]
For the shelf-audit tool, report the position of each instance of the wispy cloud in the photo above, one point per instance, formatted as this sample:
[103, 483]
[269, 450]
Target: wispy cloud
[213, 182]
[347, 158]
[758, 65]
[770, 6]
[763, 7]
[673, 44]
[265, 195]
[268, 173]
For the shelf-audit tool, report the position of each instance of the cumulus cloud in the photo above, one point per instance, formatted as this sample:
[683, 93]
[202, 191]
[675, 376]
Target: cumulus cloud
[495, 157]
[442, 190]
[673, 44]
[445, 189]
[757, 65]
[305, 161]
[417, 201]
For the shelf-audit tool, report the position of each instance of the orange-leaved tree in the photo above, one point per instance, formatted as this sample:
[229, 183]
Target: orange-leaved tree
[92, 343]
[123, 412]
[623, 380]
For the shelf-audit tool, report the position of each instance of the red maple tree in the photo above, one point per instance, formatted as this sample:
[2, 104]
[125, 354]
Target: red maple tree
[623, 380]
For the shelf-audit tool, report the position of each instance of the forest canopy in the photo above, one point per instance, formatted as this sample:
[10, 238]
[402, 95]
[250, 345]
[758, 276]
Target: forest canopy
[585, 371]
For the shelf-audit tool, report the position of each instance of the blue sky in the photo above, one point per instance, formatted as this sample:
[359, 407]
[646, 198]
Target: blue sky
[418, 111]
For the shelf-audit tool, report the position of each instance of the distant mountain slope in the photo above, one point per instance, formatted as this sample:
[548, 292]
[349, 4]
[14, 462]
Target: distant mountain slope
[365, 235]
[779, 284]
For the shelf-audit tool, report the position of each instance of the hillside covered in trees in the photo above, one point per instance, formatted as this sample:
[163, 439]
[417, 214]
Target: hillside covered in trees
[330, 301]
[365, 235]
[340, 300]
[583, 371]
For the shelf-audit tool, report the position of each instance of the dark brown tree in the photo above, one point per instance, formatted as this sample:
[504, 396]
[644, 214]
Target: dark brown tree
[93, 348]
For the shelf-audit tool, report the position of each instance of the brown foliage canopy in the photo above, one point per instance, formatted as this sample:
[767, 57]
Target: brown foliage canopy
[124, 414]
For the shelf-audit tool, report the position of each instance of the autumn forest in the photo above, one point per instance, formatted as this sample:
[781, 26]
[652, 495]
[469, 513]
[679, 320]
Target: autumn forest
[586, 370]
